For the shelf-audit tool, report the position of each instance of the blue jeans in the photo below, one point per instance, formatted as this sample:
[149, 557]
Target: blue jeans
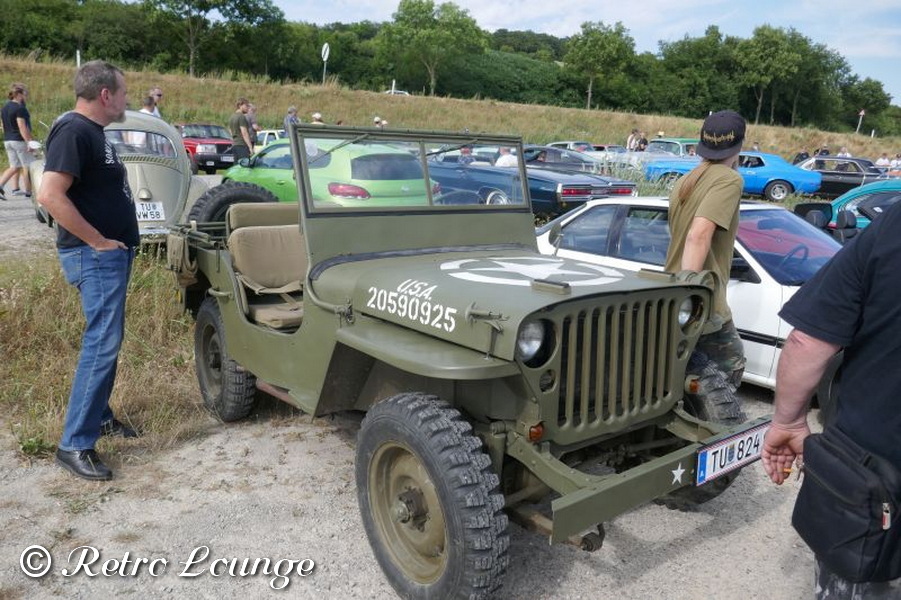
[102, 280]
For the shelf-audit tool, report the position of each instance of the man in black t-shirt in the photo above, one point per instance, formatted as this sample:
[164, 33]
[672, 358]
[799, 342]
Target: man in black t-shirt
[851, 303]
[85, 190]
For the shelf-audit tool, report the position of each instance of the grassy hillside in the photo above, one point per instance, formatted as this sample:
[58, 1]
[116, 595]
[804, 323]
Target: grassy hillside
[206, 99]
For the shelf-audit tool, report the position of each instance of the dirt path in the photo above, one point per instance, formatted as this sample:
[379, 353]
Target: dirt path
[277, 489]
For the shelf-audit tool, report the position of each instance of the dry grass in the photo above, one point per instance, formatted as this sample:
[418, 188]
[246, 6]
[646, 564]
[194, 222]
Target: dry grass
[212, 99]
[40, 335]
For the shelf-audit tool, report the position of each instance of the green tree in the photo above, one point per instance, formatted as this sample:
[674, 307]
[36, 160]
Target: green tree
[195, 18]
[766, 58]
[431, 36]
[599, 49]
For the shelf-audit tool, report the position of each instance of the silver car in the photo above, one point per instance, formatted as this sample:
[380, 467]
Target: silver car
[159, 173]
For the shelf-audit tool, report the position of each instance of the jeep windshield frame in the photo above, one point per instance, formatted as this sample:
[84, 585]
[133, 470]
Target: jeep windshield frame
[365, 192]
[345, 170]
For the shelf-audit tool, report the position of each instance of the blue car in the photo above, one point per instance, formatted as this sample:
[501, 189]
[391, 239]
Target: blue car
[767, 175]
[879, 194]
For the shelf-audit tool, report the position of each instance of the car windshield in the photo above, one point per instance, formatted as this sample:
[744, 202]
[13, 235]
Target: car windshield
[788, 247]
[372, 172]
[142, 143]
[205, 131]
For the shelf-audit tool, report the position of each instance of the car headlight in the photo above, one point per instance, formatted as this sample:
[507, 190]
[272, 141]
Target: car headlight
[529, 340]
[206, 148]
[690, 311]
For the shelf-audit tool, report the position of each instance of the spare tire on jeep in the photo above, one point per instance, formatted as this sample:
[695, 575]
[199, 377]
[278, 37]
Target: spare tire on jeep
[213, 204]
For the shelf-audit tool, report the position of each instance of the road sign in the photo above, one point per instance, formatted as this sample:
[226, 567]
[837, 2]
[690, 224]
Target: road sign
[325, 51]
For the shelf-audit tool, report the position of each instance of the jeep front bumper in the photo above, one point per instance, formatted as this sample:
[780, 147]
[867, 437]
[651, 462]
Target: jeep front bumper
[587, 500]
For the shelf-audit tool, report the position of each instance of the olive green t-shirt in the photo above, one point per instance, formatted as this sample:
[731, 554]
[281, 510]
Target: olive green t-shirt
[715, 197]
[235, 123]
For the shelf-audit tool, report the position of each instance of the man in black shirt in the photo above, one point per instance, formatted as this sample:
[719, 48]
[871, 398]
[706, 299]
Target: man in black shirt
[85, 189]
[851, 303]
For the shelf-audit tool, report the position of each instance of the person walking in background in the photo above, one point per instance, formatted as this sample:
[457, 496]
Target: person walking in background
[157, 94]
[632, 140]
[85, 190]
[703, 221]
[17, 140]
[148, 105]
[843, 153]
[506, 159]
[240, 130]
[317, 119]
[800, 156]
[290, 119]
[252, 120]
[850, 303]
[642, 144]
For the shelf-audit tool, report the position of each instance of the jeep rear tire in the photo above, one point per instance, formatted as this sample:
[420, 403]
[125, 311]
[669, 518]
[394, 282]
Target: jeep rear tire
[212, 205]
[227, 389]
[430, 501]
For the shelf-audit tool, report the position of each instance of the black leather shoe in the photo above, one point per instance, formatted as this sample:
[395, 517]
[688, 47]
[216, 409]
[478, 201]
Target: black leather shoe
[84, 463]
[117, 428]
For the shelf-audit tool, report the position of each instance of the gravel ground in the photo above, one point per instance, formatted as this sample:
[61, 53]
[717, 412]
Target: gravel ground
[283, 489]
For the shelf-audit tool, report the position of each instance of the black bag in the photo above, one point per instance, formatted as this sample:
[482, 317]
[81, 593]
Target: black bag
[848, 508]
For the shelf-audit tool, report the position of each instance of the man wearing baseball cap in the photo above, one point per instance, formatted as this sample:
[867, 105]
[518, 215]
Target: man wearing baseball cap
[703, 220]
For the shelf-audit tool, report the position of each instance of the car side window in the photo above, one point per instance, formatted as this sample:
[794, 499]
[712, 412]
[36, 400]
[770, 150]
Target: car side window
[590, 232]
[645, 236]
[277, 158]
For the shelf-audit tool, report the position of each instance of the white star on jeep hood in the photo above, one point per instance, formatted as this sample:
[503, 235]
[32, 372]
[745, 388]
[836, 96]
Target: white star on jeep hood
[523, 270]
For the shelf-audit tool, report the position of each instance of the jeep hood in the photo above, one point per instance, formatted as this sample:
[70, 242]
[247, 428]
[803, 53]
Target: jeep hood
[475, 299]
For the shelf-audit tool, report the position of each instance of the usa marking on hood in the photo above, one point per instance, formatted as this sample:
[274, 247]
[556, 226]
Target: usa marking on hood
[522, 270]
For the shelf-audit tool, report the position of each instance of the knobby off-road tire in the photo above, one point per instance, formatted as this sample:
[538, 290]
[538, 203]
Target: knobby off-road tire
[429, 500]
[212, 205]
[717, 402]
[227, 389]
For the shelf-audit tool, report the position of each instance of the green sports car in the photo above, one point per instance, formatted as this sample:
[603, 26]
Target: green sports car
[356, 175]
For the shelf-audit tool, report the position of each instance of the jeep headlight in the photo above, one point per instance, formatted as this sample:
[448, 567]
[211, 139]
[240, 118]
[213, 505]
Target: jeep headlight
[690, 311]
[206, 148]
[529, 340]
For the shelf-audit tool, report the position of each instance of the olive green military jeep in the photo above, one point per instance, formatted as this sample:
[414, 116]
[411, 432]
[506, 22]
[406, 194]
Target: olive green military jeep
[497, 382]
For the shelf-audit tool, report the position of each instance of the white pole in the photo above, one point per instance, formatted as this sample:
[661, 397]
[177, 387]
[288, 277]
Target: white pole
[78, 59]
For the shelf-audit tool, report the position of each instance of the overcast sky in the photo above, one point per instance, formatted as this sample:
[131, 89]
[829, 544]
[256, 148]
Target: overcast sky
[867, 33]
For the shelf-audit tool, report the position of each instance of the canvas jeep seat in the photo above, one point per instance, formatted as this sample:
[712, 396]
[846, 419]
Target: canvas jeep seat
[270, 261]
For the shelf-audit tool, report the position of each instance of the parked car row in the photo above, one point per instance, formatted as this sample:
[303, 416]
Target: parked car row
[767, 175]
[370, 167]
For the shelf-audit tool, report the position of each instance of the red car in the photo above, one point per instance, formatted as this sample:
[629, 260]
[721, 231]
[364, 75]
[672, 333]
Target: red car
[209, 146]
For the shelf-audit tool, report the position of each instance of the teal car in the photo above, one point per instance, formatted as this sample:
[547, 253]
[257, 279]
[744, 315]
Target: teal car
[358, 175]
[880, 194]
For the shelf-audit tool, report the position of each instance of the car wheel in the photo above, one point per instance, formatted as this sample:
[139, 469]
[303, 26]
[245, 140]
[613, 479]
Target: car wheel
[777, 191]
[496, 197]
[669, 180]
[213, 204]
[209, 171]
[227, 389]
[429, 500]
[717, 402]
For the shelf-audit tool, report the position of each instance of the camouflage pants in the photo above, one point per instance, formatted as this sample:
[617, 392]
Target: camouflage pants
[830, 586]
[724, 347]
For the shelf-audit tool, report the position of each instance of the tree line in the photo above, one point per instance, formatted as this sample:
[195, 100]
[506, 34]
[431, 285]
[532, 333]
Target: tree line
[777, 76]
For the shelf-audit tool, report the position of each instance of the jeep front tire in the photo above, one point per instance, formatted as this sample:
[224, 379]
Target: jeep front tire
[430, 501]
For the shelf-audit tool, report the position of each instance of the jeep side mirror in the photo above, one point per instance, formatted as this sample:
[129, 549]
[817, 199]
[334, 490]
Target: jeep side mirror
[742, 271]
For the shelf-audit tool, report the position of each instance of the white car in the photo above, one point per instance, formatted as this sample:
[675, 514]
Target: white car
[775, 252]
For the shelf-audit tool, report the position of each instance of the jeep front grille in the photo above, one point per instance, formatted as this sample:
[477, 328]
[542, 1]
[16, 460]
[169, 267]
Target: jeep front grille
[616, 362]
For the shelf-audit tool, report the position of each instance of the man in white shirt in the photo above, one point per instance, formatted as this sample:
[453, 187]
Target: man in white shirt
[505, 159]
